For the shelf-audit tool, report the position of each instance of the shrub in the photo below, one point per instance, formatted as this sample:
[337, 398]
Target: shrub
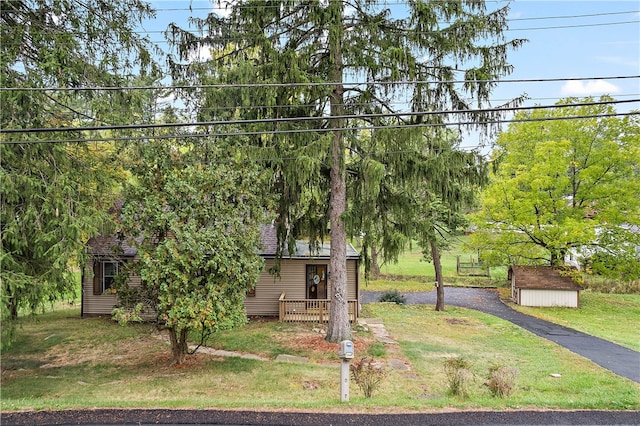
[502, 380]
[459, 376]
[367, 375]
[607, 285]
[393, 296]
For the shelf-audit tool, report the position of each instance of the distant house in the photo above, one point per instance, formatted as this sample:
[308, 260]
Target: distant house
[543, 286]
[300, 292]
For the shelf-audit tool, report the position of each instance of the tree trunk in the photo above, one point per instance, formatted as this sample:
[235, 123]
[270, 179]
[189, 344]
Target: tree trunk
[339, 328]
[435, 254]
[375, 266]
[179, 345]
[13, 308]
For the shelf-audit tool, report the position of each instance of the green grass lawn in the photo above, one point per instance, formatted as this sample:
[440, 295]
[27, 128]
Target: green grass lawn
[61, 361]
[411, 264]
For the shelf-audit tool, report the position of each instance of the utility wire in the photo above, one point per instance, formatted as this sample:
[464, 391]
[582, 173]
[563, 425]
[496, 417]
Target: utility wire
[163, 104]
[215, 8]
[557, 27]
[318, 84]
[150, 32]
[316, 130]
[303, 119]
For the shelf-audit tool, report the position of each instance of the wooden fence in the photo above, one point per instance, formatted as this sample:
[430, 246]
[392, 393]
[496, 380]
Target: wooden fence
[471, 268]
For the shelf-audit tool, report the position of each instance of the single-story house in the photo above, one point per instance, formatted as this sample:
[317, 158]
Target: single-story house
[543, 286]
[299, 293]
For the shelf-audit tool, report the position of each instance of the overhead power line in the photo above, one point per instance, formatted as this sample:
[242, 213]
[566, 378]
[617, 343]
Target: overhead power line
[303, 119]
[557, 27]
[310, 84]
[589, 15]
[294, 131]
[549, 27]
[216, 8]
[538, 18]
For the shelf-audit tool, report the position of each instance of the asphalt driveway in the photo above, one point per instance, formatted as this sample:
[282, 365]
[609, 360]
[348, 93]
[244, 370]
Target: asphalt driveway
[623, 361]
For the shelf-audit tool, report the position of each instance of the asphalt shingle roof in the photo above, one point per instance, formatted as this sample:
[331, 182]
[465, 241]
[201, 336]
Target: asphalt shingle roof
[112, 245]
[542, 278]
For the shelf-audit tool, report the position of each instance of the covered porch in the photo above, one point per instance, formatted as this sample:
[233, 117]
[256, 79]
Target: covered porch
[310, 310]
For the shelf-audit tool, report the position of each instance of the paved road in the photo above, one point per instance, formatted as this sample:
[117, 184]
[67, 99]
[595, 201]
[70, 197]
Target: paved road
[618, 359]
[222, 417]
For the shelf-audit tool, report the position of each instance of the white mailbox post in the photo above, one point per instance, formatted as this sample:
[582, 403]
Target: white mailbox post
[346, 353]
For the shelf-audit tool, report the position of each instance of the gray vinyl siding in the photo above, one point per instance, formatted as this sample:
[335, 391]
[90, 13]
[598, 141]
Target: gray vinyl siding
[293, 282]
[268, 289]
[99, 304]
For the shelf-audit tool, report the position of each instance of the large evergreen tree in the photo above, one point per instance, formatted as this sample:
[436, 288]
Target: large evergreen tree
[312, 65]
[55, 194]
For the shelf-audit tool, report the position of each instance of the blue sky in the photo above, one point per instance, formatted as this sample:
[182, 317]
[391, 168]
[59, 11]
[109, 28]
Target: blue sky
[564, 42]
[580, 46]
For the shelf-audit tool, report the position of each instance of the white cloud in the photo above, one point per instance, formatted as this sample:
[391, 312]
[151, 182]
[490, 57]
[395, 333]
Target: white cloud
[588, 88]
[223, 8]
[202, 54]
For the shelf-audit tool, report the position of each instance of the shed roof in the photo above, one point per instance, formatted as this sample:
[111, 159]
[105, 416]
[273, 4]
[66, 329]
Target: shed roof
[541, 278]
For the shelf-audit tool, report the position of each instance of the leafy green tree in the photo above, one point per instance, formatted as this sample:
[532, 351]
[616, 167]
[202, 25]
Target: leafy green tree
[56, 194]
[300, 57]
[196, 209]
[563, 185]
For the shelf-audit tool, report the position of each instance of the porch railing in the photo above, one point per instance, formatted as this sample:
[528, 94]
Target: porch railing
[311, 310]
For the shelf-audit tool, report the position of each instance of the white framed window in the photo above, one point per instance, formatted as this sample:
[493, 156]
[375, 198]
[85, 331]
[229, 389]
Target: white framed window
[109, 273]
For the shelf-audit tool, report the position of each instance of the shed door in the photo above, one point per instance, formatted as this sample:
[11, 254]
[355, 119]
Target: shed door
[316, 281]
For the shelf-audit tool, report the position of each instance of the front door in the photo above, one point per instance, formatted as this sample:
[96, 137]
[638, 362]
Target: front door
[316, 281]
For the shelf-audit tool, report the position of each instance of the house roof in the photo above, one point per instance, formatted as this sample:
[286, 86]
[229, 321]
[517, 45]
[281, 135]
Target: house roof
[112, 246]
[542, 278]
[301, 251]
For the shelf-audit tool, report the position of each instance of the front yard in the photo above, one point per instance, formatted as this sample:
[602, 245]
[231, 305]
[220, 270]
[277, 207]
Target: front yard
[61, 361]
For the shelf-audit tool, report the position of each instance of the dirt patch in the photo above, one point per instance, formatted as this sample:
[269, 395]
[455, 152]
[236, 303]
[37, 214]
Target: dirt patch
[314, 345]
[132, 351]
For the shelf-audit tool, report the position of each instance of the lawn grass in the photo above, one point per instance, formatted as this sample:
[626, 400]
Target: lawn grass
[62, 361]
[614, 317]
[412, 266]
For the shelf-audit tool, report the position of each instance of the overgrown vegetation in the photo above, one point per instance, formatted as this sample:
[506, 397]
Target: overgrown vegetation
[459, 376]
[600, 284]
[367, 375]
[501, 380]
